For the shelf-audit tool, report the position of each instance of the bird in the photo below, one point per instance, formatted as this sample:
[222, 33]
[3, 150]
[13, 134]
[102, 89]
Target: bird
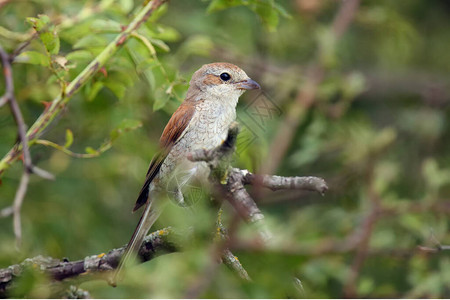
[201, 122]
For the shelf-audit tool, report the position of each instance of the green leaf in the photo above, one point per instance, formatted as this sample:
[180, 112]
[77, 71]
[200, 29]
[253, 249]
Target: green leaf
[80, 56]
[281, 10]
[146, 64]
[124, 126]
[217, 5]
[160, 101]
[201, 45]
[44, 18]
[146, 67]
[32, 57]
[160, 44]
[94, 89]
[166, 33]
[39, 23]
[90, 150]
[106, 25]
[267, 12]
[126, 5]
[50, 41]
[90, 41]
[117, 88]
[69, 138]
[129, 124]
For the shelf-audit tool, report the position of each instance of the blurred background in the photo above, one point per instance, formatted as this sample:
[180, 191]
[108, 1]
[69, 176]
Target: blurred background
[354, 92]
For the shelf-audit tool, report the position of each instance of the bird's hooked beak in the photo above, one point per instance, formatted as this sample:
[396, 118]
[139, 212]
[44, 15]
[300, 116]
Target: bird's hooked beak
[248, 84]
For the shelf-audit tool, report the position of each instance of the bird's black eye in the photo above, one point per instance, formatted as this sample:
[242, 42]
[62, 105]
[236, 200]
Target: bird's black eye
[225, 76]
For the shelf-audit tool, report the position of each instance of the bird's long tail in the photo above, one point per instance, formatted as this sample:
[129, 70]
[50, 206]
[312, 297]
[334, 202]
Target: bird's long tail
[150, 215]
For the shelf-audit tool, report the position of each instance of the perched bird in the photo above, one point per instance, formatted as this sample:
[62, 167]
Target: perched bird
[200, 122]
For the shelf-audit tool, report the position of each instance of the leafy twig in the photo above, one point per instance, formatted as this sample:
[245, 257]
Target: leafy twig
[59, 102]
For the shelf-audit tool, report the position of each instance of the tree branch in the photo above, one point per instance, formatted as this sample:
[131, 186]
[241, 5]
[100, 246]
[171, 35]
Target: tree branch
[228, 258]
[273, 182]
[9, 98]
[155, 244]
[231, 181]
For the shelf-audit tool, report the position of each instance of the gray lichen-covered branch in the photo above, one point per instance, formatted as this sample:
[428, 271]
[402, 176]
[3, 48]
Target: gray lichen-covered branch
[231, 181]
[155, 244]
[308, 183]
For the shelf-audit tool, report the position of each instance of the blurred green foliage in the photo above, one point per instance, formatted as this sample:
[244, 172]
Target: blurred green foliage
[378, 132]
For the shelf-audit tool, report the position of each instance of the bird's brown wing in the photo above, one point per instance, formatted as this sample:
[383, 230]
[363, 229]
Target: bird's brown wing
[175, 129]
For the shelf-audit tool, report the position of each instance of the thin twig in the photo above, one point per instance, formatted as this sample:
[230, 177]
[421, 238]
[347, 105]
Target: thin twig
[21, 127]
[232, 261]
[6, 212]
[3, 101]
[25, 44]
[10, 98]
[17, 206]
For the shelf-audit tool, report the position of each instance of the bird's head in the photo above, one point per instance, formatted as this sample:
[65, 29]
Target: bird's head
[220, 80]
